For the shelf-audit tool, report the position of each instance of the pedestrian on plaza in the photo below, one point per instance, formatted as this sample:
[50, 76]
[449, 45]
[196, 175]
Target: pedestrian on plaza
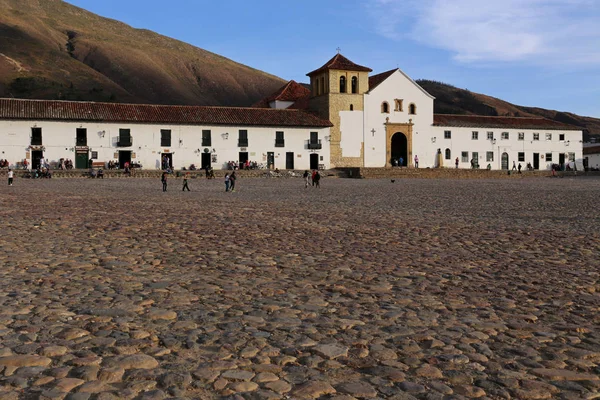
[519, 167]
[317, 179]
[227, 182]
[416, 161]
[312, 177]
[232, 180]
[514, 168]
[306, 178]
[401, 162]
[456, 162]
[185, 183]
[163, 179]
[10, 177]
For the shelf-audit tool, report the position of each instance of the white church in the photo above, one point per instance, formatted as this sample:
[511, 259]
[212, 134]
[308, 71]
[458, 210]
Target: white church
[345, 118]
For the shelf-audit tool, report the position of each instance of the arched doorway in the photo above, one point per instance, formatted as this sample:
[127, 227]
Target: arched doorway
[504, 160]
[399, 149]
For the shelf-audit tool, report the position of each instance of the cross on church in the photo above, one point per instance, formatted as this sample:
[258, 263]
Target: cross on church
[373, 131]
[339, 50]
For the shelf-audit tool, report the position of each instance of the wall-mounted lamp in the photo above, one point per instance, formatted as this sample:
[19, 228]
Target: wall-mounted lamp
[101, 133]
[35, 125]
[568, 142]
[214, 150]
[326, 137]
[180, 141]
[493, 141]
[71, 149]
[433, 139]
[225, 135]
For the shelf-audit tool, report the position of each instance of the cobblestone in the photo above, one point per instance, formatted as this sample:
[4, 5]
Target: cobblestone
[418, 288]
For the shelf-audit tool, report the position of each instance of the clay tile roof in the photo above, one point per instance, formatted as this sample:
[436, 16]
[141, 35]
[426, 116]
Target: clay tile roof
[591, 149]
[342, 63]
[18, 109]
[478, 121]
[291, 91]
[375, 80]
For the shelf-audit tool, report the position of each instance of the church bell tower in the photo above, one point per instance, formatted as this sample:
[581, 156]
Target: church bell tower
[339, 85]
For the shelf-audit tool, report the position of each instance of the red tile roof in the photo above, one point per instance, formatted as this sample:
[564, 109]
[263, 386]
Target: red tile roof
[375, 80]
[478, 121]
[18, 109]
[592, 149]
[291, 91]
[342, 63]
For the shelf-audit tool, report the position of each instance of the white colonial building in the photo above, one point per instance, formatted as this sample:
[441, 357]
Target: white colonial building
[344, 118]
[146, 134]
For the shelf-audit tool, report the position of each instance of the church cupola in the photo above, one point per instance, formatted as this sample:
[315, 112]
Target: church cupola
[339, 76]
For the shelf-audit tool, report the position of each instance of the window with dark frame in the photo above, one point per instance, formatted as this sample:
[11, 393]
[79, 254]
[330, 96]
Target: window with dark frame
[243, 138]
[521, 157]
[385, 107]
[354, 84]
[165, 138]
[206, 138]
[561, 137]
[464, 156]
[412, 109]
[279, 139]
[489, 156]
[94, 155]
[448, 154]
[342, 84]
[125, 139]
[521, 136]
[474, 135]
[36, 136]
[536, 136]
[490, 135]
[447, 134]
[504, 136]
[81, 137]
[548, 156]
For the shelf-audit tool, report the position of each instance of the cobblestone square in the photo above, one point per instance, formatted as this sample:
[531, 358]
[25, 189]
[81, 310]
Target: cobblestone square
[426, 289]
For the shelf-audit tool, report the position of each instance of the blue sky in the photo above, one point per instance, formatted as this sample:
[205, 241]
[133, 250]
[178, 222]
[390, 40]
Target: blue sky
[542, 53]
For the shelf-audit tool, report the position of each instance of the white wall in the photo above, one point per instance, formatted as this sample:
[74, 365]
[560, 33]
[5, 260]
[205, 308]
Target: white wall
[351, 127]
[397, 86]
[593, 160]
[58, 139]
[461, 140]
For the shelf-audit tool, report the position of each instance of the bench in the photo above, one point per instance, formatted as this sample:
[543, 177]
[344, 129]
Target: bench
[98, 164]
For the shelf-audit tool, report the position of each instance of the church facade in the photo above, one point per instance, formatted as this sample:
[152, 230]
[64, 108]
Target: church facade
[388, 119]
[345, 117]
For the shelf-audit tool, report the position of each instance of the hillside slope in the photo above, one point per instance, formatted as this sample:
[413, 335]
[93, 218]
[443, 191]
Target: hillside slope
[452, 100]
[50, 49]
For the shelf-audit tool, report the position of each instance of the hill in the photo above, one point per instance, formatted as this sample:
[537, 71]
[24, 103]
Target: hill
[452, 100]
[50, 49]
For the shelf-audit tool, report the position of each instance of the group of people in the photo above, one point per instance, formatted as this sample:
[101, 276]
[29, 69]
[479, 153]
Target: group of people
[399, 162]
[247, 165]
[230, 182]
[4, 164]
[314, 178]
[65, 163]
[164, 179]
[99, 173]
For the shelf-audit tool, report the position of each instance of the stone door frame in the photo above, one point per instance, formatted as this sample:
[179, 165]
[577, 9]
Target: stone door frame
[405, 128]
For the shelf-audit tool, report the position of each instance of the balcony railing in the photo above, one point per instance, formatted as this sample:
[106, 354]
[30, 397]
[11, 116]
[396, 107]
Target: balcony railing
[125, 142]
[312, 145]
[279, 143]
[242, 142]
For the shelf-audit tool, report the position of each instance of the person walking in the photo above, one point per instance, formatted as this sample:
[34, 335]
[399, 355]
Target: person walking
[317, 179]
[232, 180]
[514, 168]
[185, 183]
[519, 168]
[456, 162]
[416, 161]
[10, 177]
[306, 178]
[164, 181]
[312, 177]
[227, 182]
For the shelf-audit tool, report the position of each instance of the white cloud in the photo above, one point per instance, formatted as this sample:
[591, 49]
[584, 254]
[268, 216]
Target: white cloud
[478, 31]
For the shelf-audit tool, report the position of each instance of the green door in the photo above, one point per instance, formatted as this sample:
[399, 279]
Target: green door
[82, 160]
